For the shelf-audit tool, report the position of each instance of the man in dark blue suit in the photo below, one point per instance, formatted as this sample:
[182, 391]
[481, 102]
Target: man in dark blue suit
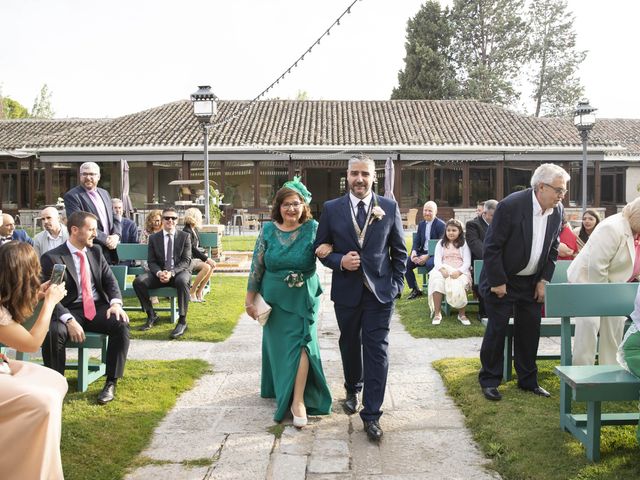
[368, 262]
[8, 231]
[520, 251]
[87, 197]
[431, 228]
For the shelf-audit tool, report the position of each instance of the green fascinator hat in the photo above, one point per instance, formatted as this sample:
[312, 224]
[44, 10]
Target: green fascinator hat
[300, 188]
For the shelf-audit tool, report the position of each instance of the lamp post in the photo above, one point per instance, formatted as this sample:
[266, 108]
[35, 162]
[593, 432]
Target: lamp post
[584, 119]
[205, 108]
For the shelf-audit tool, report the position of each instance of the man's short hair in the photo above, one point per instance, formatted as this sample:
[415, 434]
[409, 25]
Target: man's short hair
[490, 205]
[431, 203]
[169, 209]
[362, 157]
[90, 166]
[115, 200]
[78, 219]
[547, 173]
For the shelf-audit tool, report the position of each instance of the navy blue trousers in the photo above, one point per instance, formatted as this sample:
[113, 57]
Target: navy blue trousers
[364, 343]
[411, 276]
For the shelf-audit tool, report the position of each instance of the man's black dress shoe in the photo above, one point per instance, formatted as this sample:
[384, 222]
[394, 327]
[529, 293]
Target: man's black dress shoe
[151, 321]
[374, 432]
[107, 394]
[179, 330]
[352, 403]
[492, 393]
[540, 392]
[414, 294]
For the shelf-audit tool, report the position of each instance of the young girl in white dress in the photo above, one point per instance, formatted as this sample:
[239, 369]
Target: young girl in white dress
[450, 275]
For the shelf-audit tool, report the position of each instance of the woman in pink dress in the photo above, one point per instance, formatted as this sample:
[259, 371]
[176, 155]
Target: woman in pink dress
[30, 395]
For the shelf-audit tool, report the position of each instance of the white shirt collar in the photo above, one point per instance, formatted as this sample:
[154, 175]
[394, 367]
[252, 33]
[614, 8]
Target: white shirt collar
[172, 232]
[355, 200]
[537, 209]
[73, 249]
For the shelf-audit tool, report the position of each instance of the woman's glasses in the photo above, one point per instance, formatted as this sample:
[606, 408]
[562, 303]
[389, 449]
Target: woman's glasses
[294, 205]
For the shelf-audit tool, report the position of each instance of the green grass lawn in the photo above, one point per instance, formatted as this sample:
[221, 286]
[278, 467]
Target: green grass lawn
[521, 433]
[415, 316]
[101, 442]
[238, 243]
[212, 321]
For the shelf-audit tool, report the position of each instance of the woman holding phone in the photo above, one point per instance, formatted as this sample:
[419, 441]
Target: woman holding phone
[30, 395]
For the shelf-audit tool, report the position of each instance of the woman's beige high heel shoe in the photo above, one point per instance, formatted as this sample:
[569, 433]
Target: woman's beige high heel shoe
[298, 422]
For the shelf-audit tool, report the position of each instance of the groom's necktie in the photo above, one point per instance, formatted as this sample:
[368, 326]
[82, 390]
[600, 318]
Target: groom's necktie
[361, 217]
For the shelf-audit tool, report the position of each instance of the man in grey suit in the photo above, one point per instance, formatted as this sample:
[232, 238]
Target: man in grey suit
[169, 261]
[87, 197]
[54, 233]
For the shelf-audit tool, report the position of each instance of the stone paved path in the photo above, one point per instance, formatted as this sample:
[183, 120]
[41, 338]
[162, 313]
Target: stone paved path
[223, 417]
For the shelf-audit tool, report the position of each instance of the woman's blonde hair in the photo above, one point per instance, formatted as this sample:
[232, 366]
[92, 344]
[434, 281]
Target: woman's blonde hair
[148, 223]
[193, 217]
[631, 212]
[19, 279]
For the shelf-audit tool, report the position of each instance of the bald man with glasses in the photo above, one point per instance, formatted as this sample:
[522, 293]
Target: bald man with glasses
[169, 260]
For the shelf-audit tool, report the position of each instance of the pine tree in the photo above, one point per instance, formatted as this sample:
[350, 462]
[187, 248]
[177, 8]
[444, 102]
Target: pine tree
[42, 104]
[428, 72]
[554, 57]
[490, 48]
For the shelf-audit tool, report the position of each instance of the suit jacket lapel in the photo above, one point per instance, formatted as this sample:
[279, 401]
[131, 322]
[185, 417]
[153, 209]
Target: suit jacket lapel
[67, 258]
[373, 223]
[105, 199]
[95, 269]
[346, 212]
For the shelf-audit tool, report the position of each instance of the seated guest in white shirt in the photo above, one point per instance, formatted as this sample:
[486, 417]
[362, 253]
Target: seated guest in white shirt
[54, 233]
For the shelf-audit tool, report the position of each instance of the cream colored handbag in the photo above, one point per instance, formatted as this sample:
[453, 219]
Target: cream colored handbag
[263, 308]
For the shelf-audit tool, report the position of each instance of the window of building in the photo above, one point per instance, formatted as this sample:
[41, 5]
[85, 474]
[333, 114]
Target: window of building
[517, 178]
[238, 184]
[415, 184]
[482, 184]
[272, 177]
[448, 185]
[612, 185]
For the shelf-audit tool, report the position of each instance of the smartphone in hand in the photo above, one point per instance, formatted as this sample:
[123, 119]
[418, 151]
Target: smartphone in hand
[57, 275]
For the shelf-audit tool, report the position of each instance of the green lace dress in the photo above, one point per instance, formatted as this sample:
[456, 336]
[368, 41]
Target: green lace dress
[283, 270]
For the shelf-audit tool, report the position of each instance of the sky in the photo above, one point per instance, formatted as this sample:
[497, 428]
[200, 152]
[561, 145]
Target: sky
[107, 59]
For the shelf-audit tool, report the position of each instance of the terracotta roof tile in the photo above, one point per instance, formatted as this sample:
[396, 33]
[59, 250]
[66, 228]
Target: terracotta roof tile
[285, 123]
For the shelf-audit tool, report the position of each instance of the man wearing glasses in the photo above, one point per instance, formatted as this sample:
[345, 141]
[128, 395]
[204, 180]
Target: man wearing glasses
[169, 260]
[520, 251]
[87, 197]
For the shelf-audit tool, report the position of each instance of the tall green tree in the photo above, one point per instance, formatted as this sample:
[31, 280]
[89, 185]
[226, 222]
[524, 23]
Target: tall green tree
[428, 71]
[42, 104]
[555, 58]
[490, 48]
[10, 108]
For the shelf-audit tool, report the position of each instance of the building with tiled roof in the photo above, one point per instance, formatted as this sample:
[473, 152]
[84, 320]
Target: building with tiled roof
[456, 152]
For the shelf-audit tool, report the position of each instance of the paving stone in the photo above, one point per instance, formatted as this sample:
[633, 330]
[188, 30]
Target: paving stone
[244, 456]
[319, 464]
[288, 467]
[295, 441]
[168, 472]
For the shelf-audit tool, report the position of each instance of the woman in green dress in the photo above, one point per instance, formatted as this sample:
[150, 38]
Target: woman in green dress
[283, 270]
[629, 350]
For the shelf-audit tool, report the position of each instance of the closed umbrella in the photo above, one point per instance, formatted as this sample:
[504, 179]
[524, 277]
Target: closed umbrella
[126, 200]
[389, 177]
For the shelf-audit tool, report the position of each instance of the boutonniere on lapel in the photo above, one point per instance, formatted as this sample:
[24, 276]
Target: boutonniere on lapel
[376, 212]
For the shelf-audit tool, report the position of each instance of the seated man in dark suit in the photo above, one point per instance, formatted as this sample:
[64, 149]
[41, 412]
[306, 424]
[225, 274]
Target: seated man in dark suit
[475, 232]
[129, 228]
[169, 261]
[430, 228]
[8, 231]
[93, 302]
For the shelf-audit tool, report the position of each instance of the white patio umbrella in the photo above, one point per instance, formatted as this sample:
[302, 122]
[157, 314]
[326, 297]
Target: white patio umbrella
[124, 188]
[389, 174]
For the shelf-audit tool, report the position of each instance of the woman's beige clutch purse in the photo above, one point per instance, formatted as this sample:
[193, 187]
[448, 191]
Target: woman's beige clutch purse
[263, 308]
